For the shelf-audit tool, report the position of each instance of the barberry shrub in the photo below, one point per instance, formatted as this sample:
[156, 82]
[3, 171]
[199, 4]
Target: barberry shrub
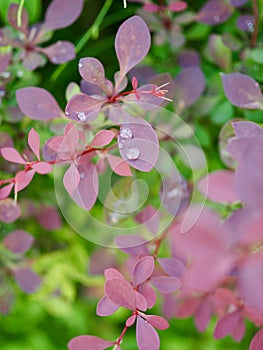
[157, 168]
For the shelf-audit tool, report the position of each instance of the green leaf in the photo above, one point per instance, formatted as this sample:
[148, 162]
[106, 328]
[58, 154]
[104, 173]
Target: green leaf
[223, 113]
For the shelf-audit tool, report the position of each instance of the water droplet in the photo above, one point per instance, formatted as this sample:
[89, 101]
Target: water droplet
[250, 26]
[175, 192]
[256, 85]
[121, 145]
[133, 153]
[66, 113]
[82, 116]
[216, 18]
[126, 133]
[81, 175]
[80, 65]
[6, 75]
[55, 59]
[19, 74]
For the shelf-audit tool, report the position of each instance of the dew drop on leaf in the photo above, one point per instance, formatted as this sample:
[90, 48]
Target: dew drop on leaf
[80, 65]
[121, 145]
[126, 133]
[82, 116]
[132, 153]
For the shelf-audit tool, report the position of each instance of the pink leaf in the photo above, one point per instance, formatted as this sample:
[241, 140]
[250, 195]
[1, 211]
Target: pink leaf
[203, 316]
[227, 324]
[71, 178]
[42, 168]
[62, 13]
[27, 279]
[9, 210]
[111, 273]
[138, 144]
[150, 218]
[152, 8]
[257, 341]
[131, 244]
[92, 71]
[34, 142]
[242, 90]
[130, 321]
[106, 307]
[32, 61]
[121, 293]
[12, 18]
[132, 43]
[143, 269]
[157, 321]
[86, 193]
[89, 342]
[172, 266]
[177, 6]
[23, 179]
[141, 302]
[166, 284]
[102, 138]
[60, 52]
[5, 191]
[247, 129]
[219, 186]
[83, 108]
[11, 155]
[4, 60]
[214, 12]
[38, 103]
[119, 166]
[148, 292]
[18, 241]
[146, 336]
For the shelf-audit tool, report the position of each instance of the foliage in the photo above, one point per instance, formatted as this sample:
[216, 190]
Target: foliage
[137, 197]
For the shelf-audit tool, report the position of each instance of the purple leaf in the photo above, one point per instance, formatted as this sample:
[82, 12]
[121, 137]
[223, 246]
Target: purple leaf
[12, 18]
[86, 193]
[141, 302]
[9, 210]
[132, 43]
[146, 336]
[27, 279]
[166, 284]
[190, 85]
[157, 321]
[246, 23]
[242, 90]
[227, 324]
[177, 6]
[218, 186]
[188, 58]
[11, 155]
[239, 332]
[5, 58]
[42, 168]
[138, 144]
[106, 307]
[32, 61]
[48, 217]
[84, 108]
[5, 191]
[119, 166]
[142, 270]
[247, 129]
[18, 241]
[214, 12]
[60, 52]
[34, 142]
[257, 341]
[102, 138]
[89, 342]
[38, 103]
[130, 321]
[92, 71]
[71, 179]
[62, 13]
[172, 267]
[238, 3]
[121, 293]
[6, 140]
[23, 179]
